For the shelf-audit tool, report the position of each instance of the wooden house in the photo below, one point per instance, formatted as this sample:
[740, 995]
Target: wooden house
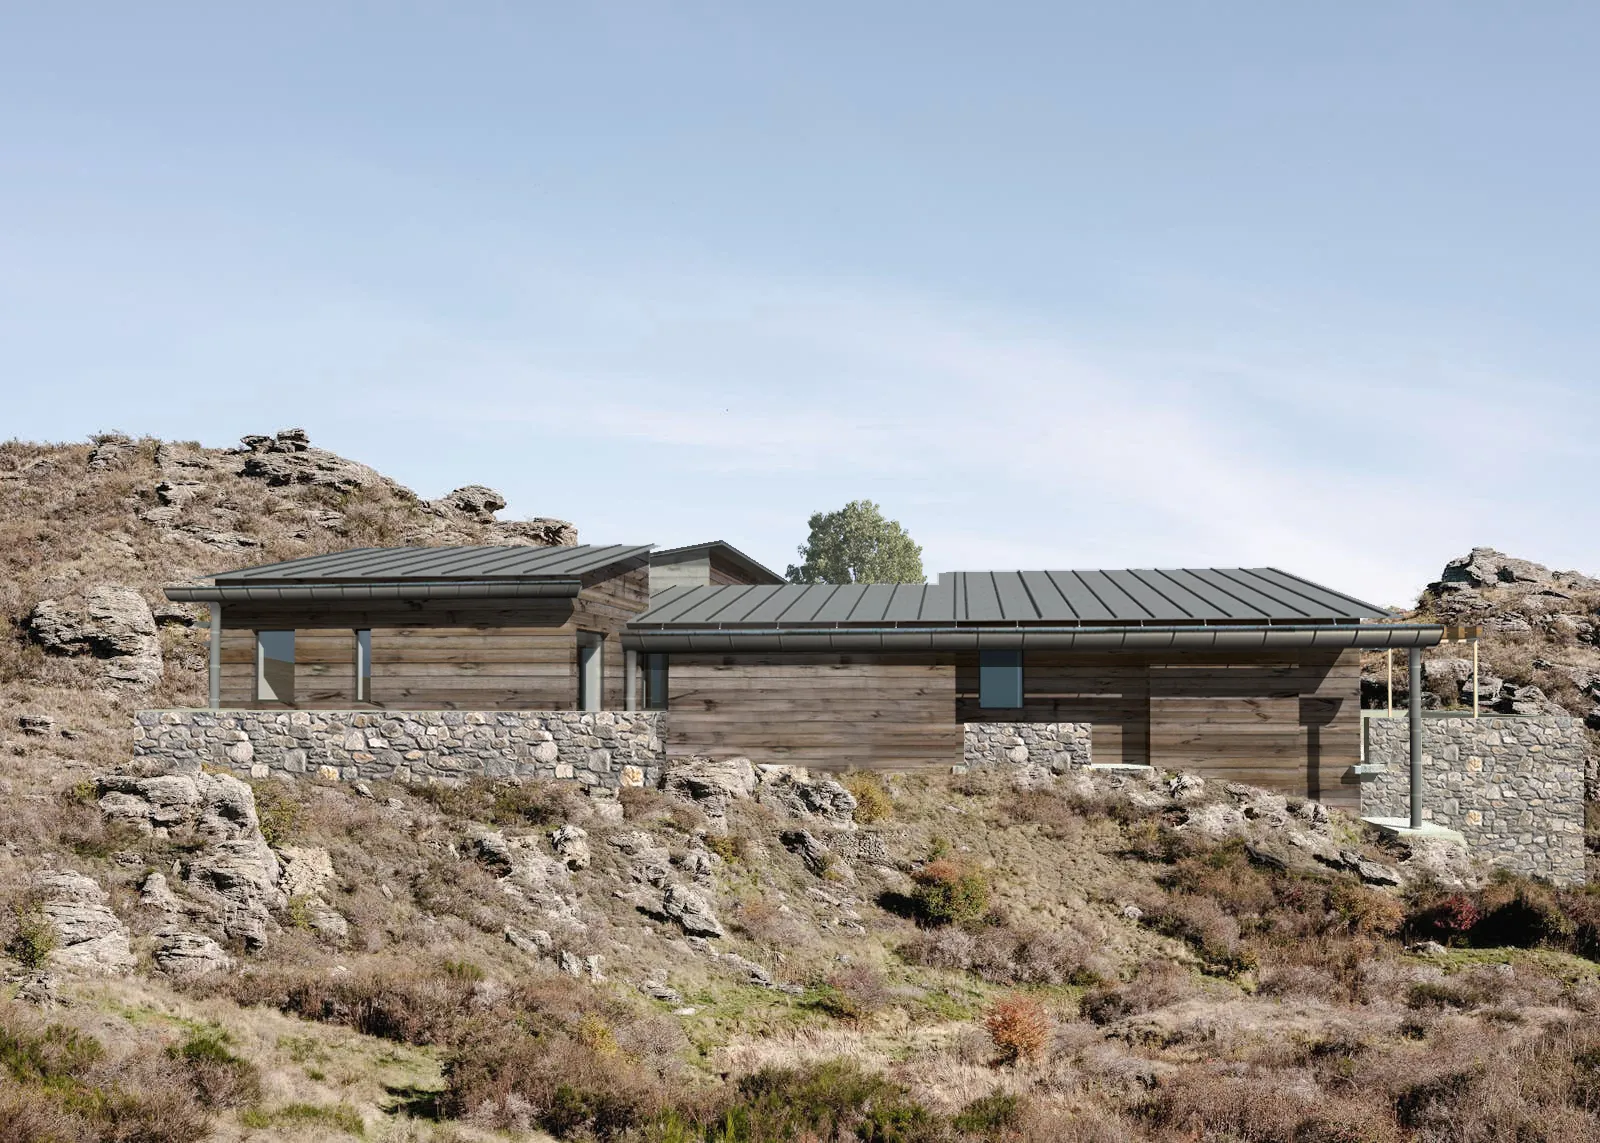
[1246, 674]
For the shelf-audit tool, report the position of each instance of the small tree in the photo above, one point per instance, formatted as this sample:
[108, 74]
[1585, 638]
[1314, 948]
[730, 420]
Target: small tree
[857, 545]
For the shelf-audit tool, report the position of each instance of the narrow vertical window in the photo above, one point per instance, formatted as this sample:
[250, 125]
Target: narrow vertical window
[655, 682]
[363, 665]
[590, 673]
[275, 666]
[999, 680]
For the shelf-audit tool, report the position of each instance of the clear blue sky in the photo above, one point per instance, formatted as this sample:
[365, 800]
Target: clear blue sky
[1058, 285]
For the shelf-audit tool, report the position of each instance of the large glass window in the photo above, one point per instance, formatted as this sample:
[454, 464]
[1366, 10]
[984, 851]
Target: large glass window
[363, 665]
[999, 679]
[275, 666]
[590, 671]
[655, 681]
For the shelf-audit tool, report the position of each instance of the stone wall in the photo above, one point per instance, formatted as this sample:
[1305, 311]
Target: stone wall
[1055, 746]
[597, 748]
[1512, 786]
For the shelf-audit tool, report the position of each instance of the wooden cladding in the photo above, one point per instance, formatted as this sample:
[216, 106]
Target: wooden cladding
[830, 711]
[432, 655]
[1289, 722]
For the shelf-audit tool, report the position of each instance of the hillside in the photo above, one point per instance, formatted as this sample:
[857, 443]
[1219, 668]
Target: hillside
[743, 955]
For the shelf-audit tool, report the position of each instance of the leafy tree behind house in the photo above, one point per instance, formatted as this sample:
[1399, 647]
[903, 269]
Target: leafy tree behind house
[857, 545]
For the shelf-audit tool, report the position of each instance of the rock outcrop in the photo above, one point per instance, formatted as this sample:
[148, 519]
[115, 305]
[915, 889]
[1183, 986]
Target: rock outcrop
[114, 625]
[233, 874]
[89, 937]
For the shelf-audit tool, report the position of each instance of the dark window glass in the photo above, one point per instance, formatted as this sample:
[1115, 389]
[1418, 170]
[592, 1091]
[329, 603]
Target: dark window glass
[655, 682]
[999, 680]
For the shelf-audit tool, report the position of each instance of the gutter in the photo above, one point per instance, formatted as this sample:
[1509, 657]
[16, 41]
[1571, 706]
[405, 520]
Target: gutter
[392, 590]
[1175, 638]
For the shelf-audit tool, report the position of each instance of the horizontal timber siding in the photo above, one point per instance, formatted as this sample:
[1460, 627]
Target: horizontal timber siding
[827, 711]
[1287, 721]
[441, 655]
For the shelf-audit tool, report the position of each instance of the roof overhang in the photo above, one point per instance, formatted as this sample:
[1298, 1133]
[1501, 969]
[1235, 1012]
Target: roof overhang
[374, 590]
[1240, 637]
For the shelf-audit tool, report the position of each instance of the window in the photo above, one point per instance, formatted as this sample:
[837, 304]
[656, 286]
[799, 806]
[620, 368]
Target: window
[590, 674]
[655, 682]
[999, 679]
[364, 665]
[275, 666]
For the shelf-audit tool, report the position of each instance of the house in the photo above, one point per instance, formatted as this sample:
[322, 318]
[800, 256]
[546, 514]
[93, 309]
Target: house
[1242, 674]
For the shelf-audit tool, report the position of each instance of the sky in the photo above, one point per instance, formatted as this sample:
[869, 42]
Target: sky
[1057, 285]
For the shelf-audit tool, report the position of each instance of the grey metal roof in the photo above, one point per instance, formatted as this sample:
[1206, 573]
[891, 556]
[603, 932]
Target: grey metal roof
[468, 562]
[1068, 598]
[758, 571]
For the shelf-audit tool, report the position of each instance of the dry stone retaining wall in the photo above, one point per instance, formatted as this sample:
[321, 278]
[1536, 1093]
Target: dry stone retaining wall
[597, 748]
[1512, 786]
[1055, 746]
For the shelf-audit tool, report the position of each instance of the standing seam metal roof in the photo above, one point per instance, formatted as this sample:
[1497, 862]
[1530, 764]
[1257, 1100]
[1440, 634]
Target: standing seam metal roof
[1184, 595]
[467, 562]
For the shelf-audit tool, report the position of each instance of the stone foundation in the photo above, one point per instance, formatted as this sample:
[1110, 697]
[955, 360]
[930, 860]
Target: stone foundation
[1055, 746]
[596, 748]
[1512, 786]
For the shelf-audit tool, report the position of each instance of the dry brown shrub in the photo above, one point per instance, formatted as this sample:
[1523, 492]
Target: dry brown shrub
[1019, 1027]
[1156, 984]
[767, 923]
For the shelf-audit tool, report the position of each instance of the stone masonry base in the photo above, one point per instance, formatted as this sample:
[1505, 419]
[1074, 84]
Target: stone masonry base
[604, 749]
[1513, 787]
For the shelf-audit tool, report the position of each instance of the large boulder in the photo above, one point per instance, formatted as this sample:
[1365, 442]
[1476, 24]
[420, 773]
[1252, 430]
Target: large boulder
[289, 459]
[186, 955]
[232, 873]
[114, 625]
[795, 793]
[474, 501]
[710, 783]
[89, 936]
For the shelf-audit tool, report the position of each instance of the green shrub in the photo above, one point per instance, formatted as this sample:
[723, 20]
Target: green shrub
[281, 814]
[988, 1115]
[33, 937]
[950, 893]
[872, 797]
[221, 1078]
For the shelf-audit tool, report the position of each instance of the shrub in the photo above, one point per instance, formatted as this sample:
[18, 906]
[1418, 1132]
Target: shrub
[221, 1078]
[731, 847]
[281, 813]
[1366, 911]
[33, 937]
[950, 893]
[990, 1114]
[1449, 919]
[1520, 913]
[1019, 1028]
[853, 993]
[872, 797]
[835, 1100]
[1202, 924]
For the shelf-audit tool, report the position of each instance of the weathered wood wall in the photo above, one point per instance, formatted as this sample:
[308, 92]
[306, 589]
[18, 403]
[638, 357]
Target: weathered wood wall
[1287, 721]
[837, 711]
[452, 655]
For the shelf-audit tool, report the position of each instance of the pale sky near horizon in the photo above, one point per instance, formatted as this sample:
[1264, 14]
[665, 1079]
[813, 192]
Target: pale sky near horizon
[1058, 285]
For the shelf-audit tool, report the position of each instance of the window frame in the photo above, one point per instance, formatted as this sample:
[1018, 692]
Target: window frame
[363, 642]
[1001, 678]
[263, 684]
[656, 680]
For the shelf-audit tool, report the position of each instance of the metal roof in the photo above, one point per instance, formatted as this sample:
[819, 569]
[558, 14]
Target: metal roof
[467, 562]
[760, 572]
[1064, 598]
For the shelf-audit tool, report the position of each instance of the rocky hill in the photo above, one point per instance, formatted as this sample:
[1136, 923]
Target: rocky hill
[747, 954]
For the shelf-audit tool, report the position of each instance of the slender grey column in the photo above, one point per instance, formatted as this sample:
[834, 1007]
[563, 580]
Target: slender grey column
[630, 682]
[1414, 666]
[215, 665]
